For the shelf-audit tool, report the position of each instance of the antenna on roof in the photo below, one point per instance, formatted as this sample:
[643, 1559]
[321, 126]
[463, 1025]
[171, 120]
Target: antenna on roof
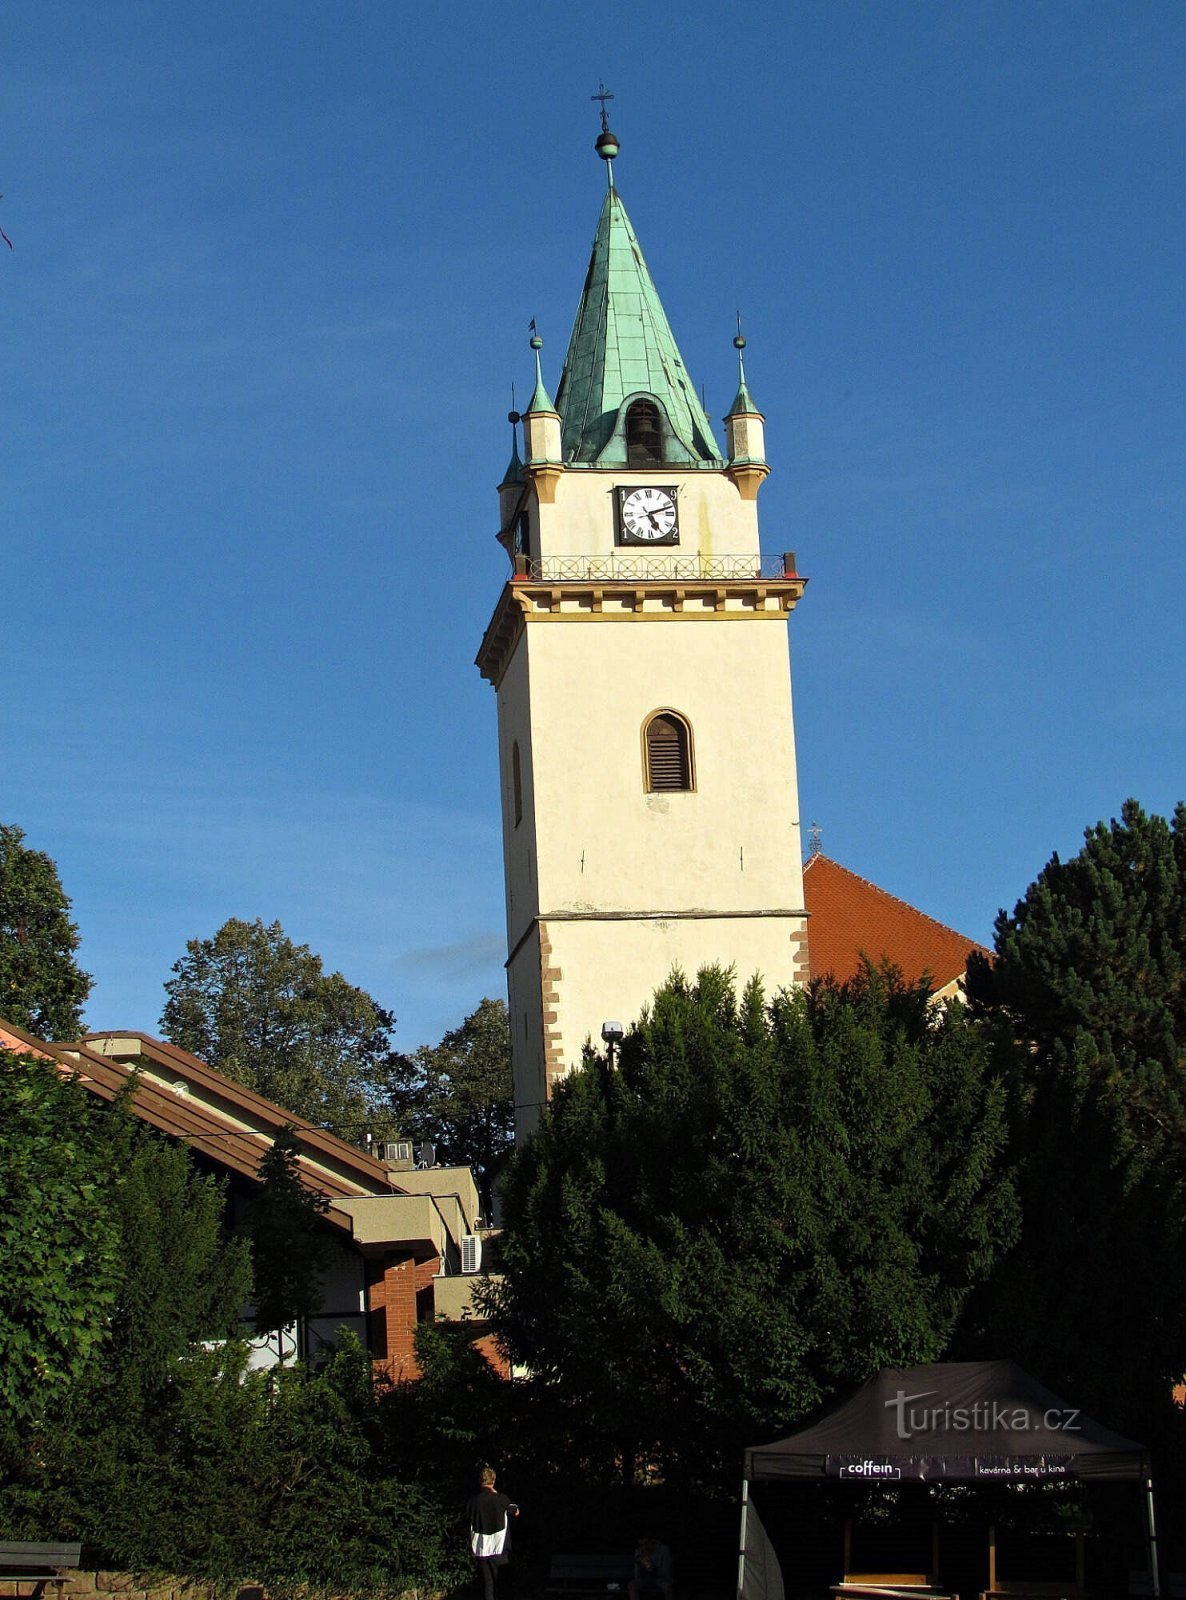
[815, 834]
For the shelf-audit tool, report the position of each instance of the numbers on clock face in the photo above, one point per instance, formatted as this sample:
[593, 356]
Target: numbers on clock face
[648, 514]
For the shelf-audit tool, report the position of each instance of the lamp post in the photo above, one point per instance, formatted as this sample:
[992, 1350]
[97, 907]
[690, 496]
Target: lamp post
[612, 1033]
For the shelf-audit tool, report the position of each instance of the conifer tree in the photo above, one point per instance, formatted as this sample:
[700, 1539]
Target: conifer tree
[288, 1248]
[757, 1207]
[1087, 994]
[182, 1280]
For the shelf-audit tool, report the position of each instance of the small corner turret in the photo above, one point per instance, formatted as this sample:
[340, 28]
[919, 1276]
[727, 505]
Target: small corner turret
[541, 434]
[745, 433]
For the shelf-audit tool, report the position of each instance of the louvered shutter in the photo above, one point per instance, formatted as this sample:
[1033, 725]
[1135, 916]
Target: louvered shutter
[668, 766]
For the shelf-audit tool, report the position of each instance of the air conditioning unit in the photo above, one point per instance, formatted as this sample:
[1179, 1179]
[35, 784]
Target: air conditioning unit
[396, 1153]
[471, 1252]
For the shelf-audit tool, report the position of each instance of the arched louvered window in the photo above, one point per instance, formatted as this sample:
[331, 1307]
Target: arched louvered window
[667, 746]
[517, 783]
[644, 435]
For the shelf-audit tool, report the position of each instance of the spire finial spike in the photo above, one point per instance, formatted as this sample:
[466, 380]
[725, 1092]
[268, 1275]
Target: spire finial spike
[739, 344]
[607, 145]
[537, 345]
[816, 835]
[540, 400]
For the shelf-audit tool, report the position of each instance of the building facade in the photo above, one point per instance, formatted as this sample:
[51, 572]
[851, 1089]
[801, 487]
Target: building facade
[639, 655]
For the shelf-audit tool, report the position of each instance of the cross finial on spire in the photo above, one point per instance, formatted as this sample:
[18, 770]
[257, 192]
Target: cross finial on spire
[816, 835]
[603, 94]
[606, 145]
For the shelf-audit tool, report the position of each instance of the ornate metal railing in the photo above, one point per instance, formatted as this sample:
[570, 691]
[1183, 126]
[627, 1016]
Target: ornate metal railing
[634, 566]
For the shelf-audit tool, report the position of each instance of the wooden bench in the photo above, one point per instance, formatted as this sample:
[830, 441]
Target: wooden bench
[26, 1561]
[589, 1574]
[891, 1585]
[1045, 1589]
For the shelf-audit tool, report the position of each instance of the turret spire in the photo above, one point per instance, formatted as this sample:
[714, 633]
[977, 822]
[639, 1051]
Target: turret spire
[743, 404]
[540, 400]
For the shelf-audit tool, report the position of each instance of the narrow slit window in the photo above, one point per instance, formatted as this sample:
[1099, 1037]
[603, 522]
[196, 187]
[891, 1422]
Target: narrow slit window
[668, 743]
[517, 783]
[644, 434]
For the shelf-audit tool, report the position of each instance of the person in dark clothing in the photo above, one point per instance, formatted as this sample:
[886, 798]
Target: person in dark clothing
[652, 1571]
[488, 1514]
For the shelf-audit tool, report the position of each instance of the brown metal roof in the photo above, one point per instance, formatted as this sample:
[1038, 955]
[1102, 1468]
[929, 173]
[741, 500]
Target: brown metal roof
[202, 1127]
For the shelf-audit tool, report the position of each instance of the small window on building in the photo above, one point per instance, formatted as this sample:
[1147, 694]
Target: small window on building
[516, 783]
[644, 435]
[668, 753]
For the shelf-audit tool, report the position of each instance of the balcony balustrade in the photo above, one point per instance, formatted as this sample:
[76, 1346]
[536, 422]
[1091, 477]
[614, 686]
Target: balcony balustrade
[654, 566]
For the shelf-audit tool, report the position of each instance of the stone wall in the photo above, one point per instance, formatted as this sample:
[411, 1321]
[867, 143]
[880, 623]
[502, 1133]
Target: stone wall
[87, 1585]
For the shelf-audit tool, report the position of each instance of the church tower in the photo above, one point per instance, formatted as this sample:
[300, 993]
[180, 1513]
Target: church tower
[639, 654]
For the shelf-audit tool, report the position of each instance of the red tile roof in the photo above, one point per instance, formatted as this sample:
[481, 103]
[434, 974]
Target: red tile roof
[851, 918]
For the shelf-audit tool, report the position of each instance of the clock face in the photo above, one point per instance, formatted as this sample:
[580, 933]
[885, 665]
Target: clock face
[648, 516]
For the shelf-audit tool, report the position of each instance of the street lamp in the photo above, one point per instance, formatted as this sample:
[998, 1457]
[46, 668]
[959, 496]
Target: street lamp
[612, 1033]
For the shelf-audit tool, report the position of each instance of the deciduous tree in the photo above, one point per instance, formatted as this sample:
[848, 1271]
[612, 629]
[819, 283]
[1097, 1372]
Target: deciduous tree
[59, 1244]
[41, 985]
[263, 1010]
[458, 1095]
[761, 1205]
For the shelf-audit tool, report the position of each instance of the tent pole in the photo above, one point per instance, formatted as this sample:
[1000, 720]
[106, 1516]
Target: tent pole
[741, 1547]
[1151, 1528]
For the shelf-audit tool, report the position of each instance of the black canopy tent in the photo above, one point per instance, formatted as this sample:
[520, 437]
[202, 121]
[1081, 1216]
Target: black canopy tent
[958, 1422]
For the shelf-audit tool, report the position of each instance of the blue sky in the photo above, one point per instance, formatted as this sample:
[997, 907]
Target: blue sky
[265, 254]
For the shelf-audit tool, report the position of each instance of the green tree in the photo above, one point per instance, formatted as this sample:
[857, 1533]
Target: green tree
[289, 1252]
[263, 1010]
[458, 1095]
[1087, 997]
[181, 1279]
[761, 1205]
[41, 986]
[59, 1245]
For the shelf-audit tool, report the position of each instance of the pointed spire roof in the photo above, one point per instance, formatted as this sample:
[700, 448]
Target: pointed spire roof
[743, 405]
[540, 400]
[622, 345]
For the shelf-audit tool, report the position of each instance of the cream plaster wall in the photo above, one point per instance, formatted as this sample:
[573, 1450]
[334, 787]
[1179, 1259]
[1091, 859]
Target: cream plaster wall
[514, 728]
[581, 521]
[628, 884]
[603, 843]
[525, 1000]
[612, 969]
[609, 887]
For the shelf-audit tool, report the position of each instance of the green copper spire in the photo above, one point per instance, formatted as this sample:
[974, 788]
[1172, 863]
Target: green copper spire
[541, 400]
[622, 346]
